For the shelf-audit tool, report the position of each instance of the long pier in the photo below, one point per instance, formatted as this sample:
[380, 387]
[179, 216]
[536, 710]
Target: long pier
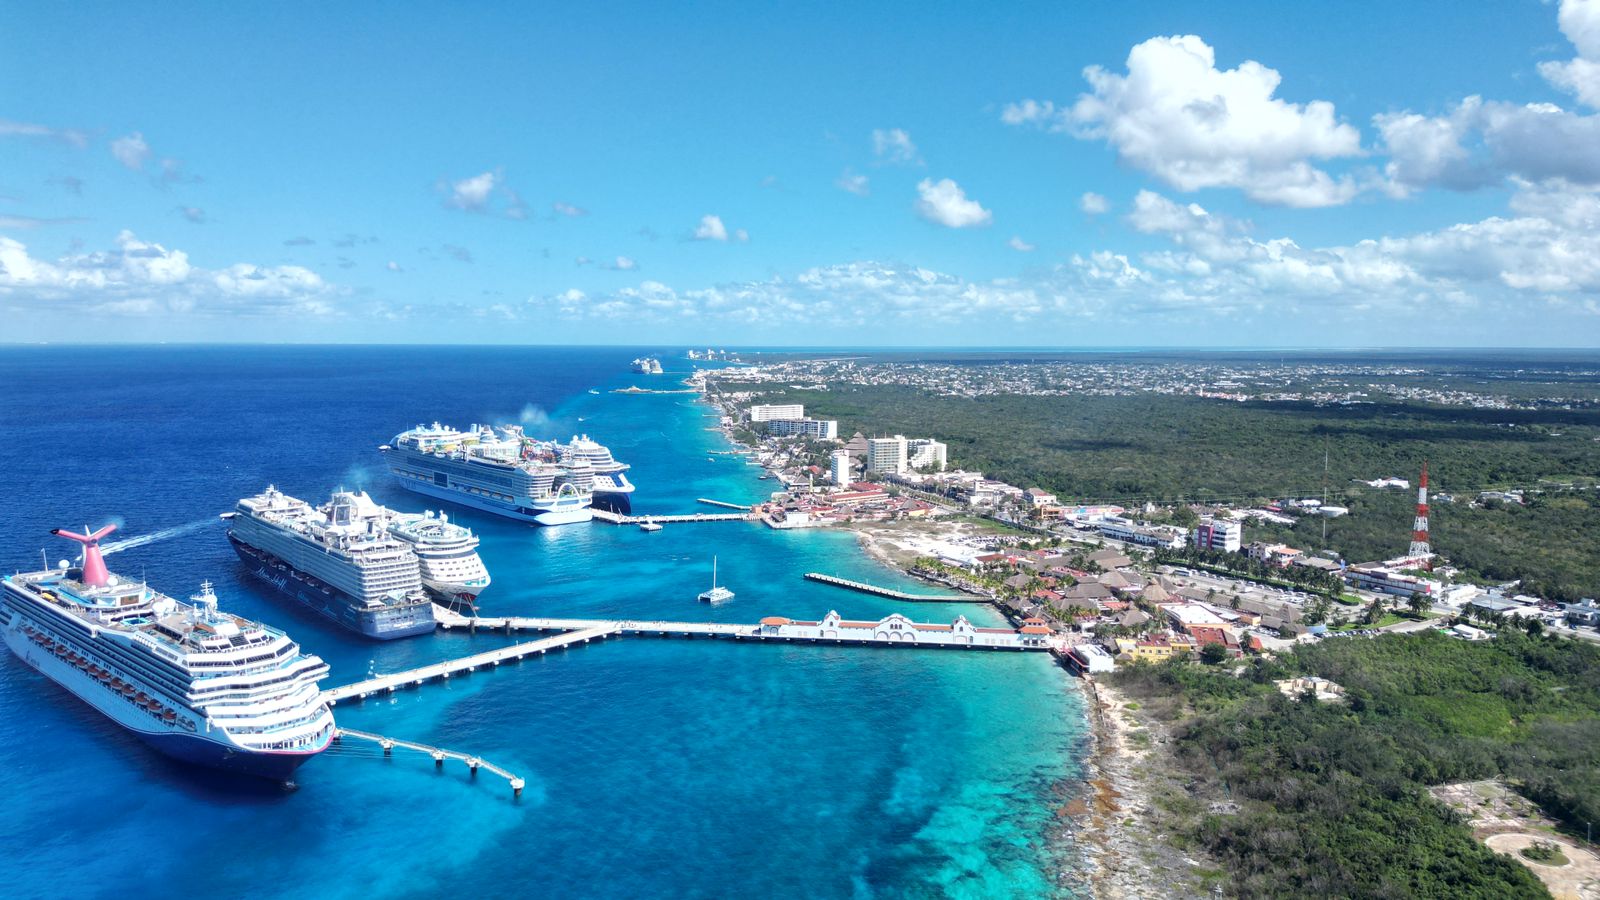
[722, 503]
[891, 593]
[606, 515]
[388, 683]
[439, 754]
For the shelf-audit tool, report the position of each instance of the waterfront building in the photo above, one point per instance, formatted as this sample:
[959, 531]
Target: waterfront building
[925, 452]
[897, 629]
[819, 429]
[1039, 497]
[1218, 534]
[887, 454]
[768, 412]
[839, 467]
[1091, 658]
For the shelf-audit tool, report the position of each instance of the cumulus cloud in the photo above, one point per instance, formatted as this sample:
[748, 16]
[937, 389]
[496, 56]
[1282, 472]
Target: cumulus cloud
[711, 229]
[1093, 204]
[1177, 116]
[1021, 246]
[854, 183]
[141, 277]
[473, 193]
[1580, 22]
[894, 145]
[1481, 142]
[132, 151]
[943, 202]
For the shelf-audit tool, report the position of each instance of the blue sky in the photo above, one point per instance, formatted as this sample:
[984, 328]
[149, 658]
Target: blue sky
[1037, 174]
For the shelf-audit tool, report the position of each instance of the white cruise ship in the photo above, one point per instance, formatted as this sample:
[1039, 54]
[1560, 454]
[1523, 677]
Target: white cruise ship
[647, 365]
[501, 471]
[452, 571]
[196, 683]
[611, 485]
[336, 560]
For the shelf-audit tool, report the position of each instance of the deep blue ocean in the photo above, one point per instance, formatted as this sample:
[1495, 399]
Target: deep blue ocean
[655, 767]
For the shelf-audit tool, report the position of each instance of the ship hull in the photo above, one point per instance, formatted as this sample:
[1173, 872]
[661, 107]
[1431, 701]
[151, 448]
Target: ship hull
[331, 603]
[557, 516]
[172, 741]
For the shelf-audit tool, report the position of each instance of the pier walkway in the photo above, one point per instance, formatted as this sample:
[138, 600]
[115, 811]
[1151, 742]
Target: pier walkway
[582, 634]
[606, 515]
[722, 503]
[891, 593]
[439, 754]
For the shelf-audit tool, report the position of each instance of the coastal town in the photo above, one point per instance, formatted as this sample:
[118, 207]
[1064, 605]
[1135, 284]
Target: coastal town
[1117, 585]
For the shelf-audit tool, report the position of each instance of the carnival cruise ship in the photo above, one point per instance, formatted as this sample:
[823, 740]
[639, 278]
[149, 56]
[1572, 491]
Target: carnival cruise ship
[334, 560]
[496, 470]
[198, 684]
[452, 571]
[611, 486]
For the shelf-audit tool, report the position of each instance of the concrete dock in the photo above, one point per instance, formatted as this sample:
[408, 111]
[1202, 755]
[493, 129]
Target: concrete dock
[723, 503]
[606, 515]
[891, 593]
[388, 683]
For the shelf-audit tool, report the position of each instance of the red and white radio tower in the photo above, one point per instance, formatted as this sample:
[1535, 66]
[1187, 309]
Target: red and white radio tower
[1419, 531]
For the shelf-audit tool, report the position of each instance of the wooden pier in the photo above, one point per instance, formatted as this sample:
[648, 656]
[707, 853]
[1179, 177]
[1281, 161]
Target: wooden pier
[389, 683]
[606, 515]
[439, 754]
[891, 593]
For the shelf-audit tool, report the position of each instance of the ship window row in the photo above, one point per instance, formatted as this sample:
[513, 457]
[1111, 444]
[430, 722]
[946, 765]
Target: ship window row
[245, 706]
[220, 689]
[137, 667]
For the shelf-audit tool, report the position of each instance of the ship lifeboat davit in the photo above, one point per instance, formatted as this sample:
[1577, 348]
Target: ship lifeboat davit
[169, 716]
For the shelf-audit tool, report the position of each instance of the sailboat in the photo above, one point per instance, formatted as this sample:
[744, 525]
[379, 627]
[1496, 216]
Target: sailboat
[715, 594]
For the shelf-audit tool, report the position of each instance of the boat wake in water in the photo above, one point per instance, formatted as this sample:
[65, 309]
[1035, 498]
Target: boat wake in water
[152, 537]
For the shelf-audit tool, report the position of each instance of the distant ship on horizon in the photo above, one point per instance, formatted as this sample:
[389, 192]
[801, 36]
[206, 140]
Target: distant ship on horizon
[647, 365]
[195, 683]
[338, 560]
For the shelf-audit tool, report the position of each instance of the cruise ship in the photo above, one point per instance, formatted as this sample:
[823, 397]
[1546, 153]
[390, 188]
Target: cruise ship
[647, 365]
[452, 571]
[198, 684]
[611, 486]
[335, 560]
[501, 471]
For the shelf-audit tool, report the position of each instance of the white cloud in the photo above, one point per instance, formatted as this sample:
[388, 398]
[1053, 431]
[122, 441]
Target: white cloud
[472, 193]
[1020, 245]
[1580, 22]
[193, 213]
[1034, 112]
[1093, 204]
[74, 136]
[711, 229]
[1177, 116]
[855, 184]
[393, 266]
[893, 145]
[741, 236]
[623, 264]
[131, 151]
[145, 278]
[1481, 142]
[943, 202]
[567, 209]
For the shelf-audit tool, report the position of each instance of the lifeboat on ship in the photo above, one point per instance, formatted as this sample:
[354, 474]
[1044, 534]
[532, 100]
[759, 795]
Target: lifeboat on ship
[168, 716]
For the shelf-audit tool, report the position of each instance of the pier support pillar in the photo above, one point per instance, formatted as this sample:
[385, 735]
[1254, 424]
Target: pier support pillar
[516, 787]
[472, 766]
[388, 747]
[438, 760]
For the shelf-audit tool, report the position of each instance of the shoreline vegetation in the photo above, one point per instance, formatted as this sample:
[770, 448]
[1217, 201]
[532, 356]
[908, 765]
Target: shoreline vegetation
[1103, 818]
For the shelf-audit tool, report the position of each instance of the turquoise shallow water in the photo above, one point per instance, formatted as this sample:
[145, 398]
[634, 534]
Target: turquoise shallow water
[654, 766]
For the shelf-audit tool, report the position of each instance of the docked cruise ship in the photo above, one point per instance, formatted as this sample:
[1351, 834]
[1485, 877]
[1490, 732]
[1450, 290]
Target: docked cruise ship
[335, 560]
[647, 365]
[611, 486]
[496, 470]
[452, 571]
[196, 683]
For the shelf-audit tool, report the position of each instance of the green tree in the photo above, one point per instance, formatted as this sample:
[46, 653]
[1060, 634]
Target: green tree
[1418, 603]
[1211, 654]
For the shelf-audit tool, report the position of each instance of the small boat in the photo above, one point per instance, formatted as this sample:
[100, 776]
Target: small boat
[715, 594]
[593, 391]
[648, 525]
